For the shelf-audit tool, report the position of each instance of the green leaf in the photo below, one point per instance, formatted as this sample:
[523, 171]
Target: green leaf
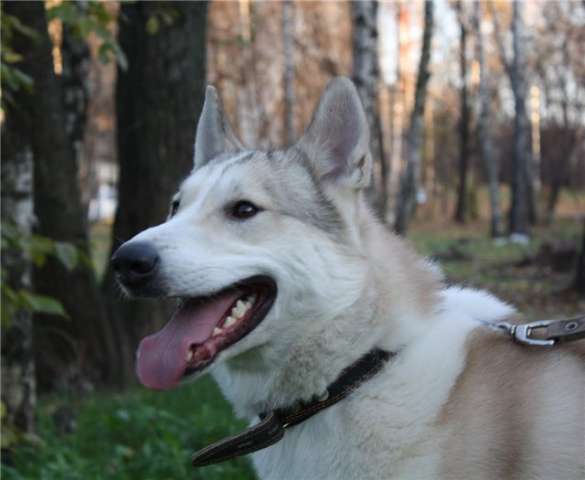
[11, 56]
[152, 25]
[107, 49]
[67, 255]
[17, 25]
[39, 248]
[67, 12]
[43, 304]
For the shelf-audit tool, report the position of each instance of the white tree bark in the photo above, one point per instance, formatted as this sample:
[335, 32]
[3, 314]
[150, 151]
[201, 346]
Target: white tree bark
[366, 76]
[484, 130]
[18, 368]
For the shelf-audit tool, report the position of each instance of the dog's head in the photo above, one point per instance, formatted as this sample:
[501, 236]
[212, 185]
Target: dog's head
[254, 240]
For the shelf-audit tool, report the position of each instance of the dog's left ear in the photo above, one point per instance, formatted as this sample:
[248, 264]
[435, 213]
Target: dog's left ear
[337, 140]
[214, 133]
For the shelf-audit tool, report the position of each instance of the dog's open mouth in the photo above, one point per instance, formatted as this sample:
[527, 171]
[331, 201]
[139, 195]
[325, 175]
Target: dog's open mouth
[201, 328]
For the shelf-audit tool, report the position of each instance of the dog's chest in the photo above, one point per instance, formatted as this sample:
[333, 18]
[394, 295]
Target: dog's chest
[311, 450]
[343, 443]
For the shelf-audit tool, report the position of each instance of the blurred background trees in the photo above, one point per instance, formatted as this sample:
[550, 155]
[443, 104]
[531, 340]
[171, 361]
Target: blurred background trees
[476, 112]
[158, 99]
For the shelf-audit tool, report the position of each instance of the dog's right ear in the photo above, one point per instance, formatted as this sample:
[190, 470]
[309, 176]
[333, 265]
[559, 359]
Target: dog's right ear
[214, 134]
[337, 140]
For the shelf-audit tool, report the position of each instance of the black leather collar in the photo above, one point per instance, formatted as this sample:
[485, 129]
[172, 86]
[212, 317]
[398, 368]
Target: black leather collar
[273, 424]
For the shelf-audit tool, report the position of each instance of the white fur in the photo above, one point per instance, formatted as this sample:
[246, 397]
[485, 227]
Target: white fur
[386, 428]
[479, 304]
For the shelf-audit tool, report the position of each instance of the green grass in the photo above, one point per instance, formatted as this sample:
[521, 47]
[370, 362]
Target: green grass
[535, 289]
[139, 435]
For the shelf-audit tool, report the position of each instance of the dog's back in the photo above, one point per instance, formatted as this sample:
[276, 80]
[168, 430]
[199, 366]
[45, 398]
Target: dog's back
[516, 412]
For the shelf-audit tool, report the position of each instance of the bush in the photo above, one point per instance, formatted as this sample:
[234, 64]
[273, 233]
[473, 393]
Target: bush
[139, 435]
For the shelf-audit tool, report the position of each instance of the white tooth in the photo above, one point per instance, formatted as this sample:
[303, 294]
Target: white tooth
[239, 309]
[229, 322]
[217, 331]
[189, 356]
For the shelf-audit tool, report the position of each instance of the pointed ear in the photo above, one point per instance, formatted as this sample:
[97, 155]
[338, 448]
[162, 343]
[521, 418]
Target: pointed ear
[214, 134]
[337, 140]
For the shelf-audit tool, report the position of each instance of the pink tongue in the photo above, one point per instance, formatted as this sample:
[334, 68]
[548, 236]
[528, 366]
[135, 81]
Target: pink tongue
[161, 357]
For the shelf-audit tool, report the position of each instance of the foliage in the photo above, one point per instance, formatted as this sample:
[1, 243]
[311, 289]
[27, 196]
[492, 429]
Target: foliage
[36, 249]
[139, 435]
[84, 18]
[164, 16]
[12, 78]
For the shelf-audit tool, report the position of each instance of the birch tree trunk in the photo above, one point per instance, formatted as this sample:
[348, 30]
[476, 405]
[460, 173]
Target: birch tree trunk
[484, 130]
[158, 100]
[366, 76]
[18, 366]
[411, 178]
[464, 119]
[289, 69]
[519, 220]
[74, 79]
[579, 283]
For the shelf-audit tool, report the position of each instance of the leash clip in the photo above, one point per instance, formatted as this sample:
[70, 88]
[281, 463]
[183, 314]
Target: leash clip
[522, 333]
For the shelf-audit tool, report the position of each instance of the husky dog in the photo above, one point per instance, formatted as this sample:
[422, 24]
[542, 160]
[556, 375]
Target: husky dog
[286, 278]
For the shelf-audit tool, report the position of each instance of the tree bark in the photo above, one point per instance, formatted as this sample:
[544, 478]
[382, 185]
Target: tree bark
[60, 217]
[76, 63]
[579, 283]
[18, 366]
[484, 129]
[158, 101]
[289, 69]
[366, 76]
[462, 188]
[411, 178]
[520, 209]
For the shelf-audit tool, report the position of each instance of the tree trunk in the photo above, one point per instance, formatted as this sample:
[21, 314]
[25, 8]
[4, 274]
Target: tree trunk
[462, 189]
[289, 69]
[366, 76]
[579, 283]
[521, 191]
[484, 130]
[411, 178]
[76, 63]
[396, 123]
[57, 205]
[569, 139]
[158, 100]
[18, 366]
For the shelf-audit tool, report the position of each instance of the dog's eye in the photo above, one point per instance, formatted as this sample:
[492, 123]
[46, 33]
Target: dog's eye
[243, 210]
[174, 207]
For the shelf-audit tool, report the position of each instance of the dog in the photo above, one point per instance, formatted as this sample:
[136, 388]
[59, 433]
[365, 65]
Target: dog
[285, 278]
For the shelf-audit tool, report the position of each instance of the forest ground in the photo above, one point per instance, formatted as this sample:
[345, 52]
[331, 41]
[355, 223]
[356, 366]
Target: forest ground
[148, 435]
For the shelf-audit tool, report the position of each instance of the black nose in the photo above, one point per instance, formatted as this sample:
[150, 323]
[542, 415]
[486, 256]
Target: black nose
[135, 263]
